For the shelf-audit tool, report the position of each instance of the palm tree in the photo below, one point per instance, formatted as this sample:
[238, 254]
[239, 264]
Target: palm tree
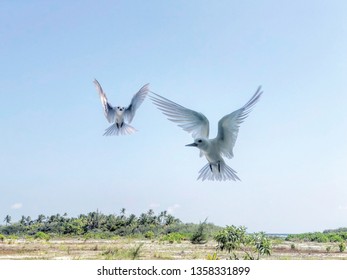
[161, 217]
[22, 221]
[40, 218]
[28, 220]
[7, 219]
[143, 219]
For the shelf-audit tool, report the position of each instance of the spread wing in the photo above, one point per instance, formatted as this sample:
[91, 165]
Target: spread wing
[109, 112]
[136, 101]
[228, 126]
[193, 122]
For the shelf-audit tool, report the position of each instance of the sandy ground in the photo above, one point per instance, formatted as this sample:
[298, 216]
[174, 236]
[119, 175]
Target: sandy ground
[125, 248]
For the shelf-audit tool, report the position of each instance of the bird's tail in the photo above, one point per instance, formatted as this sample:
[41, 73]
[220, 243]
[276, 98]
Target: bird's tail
[116, 129]
[217, 171]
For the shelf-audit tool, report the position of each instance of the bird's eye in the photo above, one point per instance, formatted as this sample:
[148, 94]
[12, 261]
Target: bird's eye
[199, 141]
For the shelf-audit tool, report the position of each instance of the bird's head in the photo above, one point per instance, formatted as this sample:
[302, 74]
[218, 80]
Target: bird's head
[200, 143]
[120, 109]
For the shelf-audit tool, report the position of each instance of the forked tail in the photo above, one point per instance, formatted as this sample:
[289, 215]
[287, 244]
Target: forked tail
[116, 129]
[217, 171]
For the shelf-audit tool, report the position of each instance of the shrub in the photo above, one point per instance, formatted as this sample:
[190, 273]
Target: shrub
[173, 237]
[149, 234]
[236, 239]
[2, 237]
[199, 237]
[41, 235]
[342, 247]
[335, 238]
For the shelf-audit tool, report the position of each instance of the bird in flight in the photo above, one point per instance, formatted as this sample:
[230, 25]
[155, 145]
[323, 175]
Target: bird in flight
[197, 125]
[118, 114]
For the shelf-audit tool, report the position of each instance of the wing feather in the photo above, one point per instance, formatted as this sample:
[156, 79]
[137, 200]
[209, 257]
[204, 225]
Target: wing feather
[109, 112]
[135, 103]
[191, 121]
[228, 126]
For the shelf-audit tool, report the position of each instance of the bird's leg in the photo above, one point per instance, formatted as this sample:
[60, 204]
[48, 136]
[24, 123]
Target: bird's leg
[218, 164]
[211, 167]
[121, 125]
[117, 125]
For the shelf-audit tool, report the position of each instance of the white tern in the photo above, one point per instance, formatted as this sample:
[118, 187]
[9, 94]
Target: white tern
[117, 115]
[198, 125]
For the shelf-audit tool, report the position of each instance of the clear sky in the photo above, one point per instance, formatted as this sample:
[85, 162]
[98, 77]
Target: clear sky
[210, 56]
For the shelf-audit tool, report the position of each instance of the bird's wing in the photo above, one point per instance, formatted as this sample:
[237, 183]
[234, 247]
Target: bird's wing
[193, 122]
[228, 126]
[108, 109]
[136, 101]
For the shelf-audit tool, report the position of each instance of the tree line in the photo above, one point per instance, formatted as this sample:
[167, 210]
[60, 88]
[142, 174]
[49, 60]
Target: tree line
[98, 223]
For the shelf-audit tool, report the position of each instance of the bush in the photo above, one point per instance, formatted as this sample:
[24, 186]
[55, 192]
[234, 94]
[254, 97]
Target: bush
[149, 234]
[342, 247]
[43, 236]
[235, 239]
[173, 237]
[199, 237]
[2, 237]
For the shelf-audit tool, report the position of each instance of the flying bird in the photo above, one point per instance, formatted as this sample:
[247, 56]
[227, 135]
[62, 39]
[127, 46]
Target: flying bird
[197, 125]
[118, 114]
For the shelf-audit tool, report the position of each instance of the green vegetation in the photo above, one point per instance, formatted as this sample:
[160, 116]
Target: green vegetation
[161, 229]
[242, 245]
[173, 237]
[96, 225]
[200, 236]
[322, 237]
[41, 235]
[342, 247]
[212, 257]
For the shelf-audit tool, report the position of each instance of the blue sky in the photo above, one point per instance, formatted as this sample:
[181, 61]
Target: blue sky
[210, 56]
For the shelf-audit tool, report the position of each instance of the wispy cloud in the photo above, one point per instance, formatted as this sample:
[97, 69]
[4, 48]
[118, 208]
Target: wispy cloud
[16, 205]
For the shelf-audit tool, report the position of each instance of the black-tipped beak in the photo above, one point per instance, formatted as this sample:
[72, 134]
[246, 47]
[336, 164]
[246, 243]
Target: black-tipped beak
[192, 145]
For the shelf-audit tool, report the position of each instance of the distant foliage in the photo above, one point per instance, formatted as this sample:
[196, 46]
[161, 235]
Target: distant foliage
[96, 225]
[321, 237]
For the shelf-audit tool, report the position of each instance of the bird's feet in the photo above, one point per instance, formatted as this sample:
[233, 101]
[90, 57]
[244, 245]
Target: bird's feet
[217, 164]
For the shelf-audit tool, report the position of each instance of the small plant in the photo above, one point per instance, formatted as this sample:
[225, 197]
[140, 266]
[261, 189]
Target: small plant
[342, 247]
[292, 246]
[328, 249]
[110, 253]
[134, 253]
[212, 257]
[2, 237]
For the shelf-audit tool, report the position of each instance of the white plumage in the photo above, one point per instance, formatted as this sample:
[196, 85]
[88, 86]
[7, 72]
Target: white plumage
[198, 125]
[118, 115]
